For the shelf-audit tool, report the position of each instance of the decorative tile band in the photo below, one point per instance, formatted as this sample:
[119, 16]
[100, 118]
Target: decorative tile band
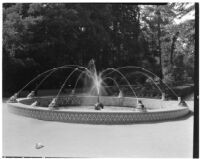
[97, 117]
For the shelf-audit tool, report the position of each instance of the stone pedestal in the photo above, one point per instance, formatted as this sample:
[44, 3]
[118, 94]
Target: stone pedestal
[31, 95]
[163, 96]
[36, 103]
[53, 104]
[140, 106]
[99, 106]
[13, 99]
[182, 103]
[120, 94]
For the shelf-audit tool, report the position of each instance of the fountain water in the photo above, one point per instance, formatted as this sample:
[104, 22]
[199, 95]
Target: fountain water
[98, 83]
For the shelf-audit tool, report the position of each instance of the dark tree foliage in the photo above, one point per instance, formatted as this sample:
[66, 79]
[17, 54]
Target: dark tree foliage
[40, 36]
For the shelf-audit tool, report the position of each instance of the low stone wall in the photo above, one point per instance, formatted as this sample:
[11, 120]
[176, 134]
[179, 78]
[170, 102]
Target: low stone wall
[97, 117]
[91, 100]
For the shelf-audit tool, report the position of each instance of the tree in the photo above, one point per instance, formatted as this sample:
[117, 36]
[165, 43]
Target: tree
[39, 36]
[160, 21]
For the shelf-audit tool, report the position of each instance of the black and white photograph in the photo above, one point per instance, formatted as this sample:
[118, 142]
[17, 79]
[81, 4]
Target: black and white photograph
[100, 80]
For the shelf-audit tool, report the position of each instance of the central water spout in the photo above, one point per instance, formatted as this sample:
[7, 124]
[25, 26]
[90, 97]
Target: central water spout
[97, 83]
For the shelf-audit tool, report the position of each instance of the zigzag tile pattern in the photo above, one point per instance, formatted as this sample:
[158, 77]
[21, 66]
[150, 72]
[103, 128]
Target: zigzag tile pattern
[97, 117]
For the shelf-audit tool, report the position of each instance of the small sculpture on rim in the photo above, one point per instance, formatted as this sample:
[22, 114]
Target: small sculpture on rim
[13, 99]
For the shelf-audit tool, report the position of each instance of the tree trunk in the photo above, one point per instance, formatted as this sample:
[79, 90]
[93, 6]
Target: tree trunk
[159, 43]
[173, 47]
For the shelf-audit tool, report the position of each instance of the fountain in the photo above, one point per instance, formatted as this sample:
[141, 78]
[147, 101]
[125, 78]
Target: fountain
[96, 105]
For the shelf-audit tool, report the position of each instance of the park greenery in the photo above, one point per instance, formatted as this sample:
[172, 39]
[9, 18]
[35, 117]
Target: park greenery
[40, 36]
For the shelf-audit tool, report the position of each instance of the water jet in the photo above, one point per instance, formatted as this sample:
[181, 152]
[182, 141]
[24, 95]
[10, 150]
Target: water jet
[84, 107]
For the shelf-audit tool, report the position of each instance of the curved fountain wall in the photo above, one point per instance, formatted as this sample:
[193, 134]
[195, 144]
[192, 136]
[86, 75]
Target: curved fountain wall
[91, 100]
[157, 110]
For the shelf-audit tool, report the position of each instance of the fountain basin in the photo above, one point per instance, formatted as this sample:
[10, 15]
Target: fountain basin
[157, 110]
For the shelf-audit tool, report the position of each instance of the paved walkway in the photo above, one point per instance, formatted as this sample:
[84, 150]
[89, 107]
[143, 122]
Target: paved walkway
[161, 139]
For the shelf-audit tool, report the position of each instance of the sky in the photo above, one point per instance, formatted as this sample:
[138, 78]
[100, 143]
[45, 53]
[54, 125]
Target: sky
[189, 16]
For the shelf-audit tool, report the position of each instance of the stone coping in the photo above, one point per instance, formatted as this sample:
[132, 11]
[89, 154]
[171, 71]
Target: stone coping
[99, 117]
[20, 105]
[71, 100]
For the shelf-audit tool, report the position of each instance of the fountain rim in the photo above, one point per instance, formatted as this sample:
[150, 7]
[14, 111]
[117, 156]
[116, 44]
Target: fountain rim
[87, 116]
[163, 109]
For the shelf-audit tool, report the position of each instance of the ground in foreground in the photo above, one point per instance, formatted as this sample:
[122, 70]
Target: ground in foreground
[158, 139]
